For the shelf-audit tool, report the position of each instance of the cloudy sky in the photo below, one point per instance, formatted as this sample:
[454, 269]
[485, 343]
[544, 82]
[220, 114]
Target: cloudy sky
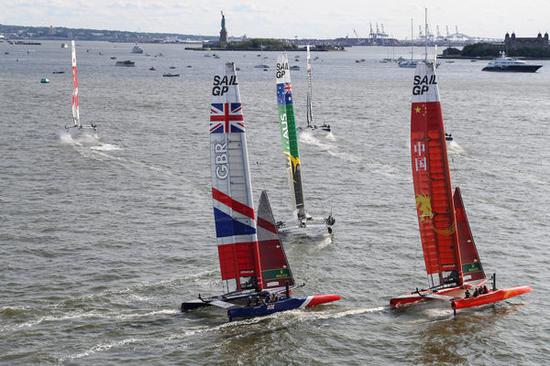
[285, 19]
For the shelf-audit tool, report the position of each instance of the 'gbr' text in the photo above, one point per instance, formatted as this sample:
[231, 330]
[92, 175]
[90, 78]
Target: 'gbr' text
[220, 160]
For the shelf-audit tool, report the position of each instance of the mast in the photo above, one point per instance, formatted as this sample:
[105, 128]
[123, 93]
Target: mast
[309, 114]
[289, 135]
[412, 39]
[74, 102]
[231, 187]
[275, 268]
[432, 182]
[425, 34]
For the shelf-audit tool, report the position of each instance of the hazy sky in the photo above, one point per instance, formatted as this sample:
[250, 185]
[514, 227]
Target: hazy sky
[302, 18]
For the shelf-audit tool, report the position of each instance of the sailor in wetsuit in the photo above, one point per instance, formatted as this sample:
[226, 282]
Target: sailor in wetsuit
[452, 278]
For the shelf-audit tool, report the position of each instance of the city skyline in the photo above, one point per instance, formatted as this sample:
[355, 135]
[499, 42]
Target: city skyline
[302, 19]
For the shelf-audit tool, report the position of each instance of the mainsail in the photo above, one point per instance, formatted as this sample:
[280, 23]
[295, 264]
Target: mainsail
[432, 182]
[471, 264]
[309, 114]
[275, 268]
[289, 135]
[74, 101]
[231, 188]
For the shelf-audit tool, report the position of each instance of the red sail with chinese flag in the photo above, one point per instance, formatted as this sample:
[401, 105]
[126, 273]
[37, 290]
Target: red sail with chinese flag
[432, 182]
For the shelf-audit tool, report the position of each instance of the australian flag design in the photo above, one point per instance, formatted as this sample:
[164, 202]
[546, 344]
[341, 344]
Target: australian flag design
[284, 93]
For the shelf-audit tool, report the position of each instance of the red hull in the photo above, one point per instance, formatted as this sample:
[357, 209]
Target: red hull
[321, 299]
[490, 298]
[413, 298]
[455, 296]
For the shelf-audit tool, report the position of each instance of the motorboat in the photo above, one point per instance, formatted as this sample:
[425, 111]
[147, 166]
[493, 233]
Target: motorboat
[126, 63]
[510, 64]
[137, 49]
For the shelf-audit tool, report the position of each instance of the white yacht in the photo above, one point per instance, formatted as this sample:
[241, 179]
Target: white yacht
[509, 64]
[137, 49]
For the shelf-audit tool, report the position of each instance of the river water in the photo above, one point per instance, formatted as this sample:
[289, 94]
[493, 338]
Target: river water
[102, 239]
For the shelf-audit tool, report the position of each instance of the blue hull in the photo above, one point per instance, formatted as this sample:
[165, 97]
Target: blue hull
[266, 309]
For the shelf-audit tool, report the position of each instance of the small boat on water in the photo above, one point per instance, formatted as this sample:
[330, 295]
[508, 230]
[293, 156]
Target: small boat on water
[137, 49]
[453, 265]
[170, 75]
[509, 64]
[44, 81]
[407, 64]
[171, 67]
[152, 68]
[75, 108]
[306, 224]
[64, 45]
[253, 262]
[126, 63]
[58, 72]
[113, 57]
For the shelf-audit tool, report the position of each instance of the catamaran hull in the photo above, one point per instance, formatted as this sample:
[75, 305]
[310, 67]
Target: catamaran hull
[490, 298]
[290, 303]
[456, 296]
[421, 296]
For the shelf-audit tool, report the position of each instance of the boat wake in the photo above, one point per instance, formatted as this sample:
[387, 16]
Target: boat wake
[84, 138]
[102, 347]
[309, 138]
[454, 148]
[106, 147]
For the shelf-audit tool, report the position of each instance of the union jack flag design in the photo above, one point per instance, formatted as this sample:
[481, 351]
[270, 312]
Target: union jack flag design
[284, 93]
[226, 118]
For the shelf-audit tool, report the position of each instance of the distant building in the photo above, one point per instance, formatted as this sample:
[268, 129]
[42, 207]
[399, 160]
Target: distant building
[511, 42]
[223, 33]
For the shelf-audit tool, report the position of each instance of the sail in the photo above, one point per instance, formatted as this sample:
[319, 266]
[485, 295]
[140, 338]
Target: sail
[471, 264]
[309, 114]
[275, 268]
[432, 182]
[289, 135]
[231, 188]
[74, 101]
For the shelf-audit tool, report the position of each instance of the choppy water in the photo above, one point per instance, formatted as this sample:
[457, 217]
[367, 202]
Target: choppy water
[101, 240]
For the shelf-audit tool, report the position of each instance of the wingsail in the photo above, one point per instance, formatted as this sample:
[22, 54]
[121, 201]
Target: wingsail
[309, 112]
[231, 187]
[289, 135]
[74, 100]
[432, 182]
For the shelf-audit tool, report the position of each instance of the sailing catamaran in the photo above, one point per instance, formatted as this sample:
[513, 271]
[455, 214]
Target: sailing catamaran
[289, 140]
[309, 114]
[253, 263]
[74, 102]
[452, 262]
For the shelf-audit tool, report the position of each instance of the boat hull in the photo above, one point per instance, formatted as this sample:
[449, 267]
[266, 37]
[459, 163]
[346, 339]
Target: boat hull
[490, 297]
[457, 297]
[424, 295]
[513, 68]
[286, 304]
